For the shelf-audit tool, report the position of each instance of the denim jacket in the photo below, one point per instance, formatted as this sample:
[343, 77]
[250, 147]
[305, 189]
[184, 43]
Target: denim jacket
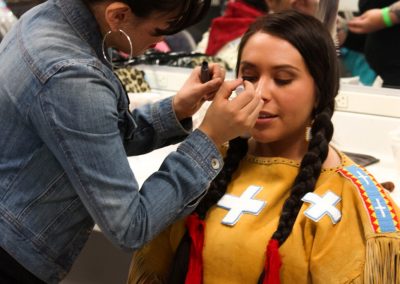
[65, 134]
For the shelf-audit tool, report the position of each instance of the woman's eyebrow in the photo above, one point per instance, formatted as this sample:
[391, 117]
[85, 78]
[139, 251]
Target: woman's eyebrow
[286, 66]
[248, 65]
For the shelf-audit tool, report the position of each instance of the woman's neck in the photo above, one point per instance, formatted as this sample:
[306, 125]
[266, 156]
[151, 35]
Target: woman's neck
[295, 152]
[292, 151]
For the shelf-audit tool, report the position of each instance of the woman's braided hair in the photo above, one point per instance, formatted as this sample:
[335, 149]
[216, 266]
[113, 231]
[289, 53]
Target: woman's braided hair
[317, 48]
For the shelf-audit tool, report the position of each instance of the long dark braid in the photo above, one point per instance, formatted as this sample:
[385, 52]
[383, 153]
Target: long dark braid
[310, 169]
[326, 78]
[236, 151]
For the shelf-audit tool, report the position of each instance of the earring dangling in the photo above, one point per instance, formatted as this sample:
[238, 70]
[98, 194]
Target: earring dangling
[103, 47]
[308, 135]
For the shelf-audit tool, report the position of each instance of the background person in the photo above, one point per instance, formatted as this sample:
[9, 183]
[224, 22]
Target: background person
[286, 188]
[223, 36]
[380, 21]
[352, 62]
[66, 131]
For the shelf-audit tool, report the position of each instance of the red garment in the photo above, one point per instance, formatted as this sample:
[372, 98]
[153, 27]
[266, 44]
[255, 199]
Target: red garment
[233, 24]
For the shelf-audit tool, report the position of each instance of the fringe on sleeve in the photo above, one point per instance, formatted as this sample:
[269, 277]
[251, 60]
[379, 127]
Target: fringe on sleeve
[382, 263]
[139, 274]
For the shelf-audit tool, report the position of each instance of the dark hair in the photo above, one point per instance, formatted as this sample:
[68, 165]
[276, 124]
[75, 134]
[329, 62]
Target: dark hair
[188, 12]
[315, 44]
[258, 4]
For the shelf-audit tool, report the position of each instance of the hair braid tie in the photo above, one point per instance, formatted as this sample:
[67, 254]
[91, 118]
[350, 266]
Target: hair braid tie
[187, 266]
[272, 263]
[195, 227]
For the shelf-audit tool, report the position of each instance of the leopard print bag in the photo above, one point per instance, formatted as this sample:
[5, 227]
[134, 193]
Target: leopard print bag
[133, 80]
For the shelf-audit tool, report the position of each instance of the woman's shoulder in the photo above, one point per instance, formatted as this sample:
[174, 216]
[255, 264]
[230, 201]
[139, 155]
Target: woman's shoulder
[358, 192]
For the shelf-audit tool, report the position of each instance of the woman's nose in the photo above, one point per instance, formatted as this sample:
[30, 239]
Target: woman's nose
[263, 89]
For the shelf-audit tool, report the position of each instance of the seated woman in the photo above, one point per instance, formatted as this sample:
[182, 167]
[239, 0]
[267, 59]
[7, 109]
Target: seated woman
[287, 207]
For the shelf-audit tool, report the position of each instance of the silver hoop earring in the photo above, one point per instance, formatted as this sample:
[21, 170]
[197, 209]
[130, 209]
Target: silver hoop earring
[103, 46]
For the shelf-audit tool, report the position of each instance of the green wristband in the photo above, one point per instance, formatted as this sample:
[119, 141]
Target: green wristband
[386, 17]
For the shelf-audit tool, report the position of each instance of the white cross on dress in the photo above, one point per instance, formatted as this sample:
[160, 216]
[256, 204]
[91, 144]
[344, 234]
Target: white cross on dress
[360, 175]
[321, 206]
[380, 208]
[240, 205]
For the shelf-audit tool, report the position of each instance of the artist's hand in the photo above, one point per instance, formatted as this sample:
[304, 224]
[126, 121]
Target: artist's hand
[227, 119]
[194, 93]
[368, 22]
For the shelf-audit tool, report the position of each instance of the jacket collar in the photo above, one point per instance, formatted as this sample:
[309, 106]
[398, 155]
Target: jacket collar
[83, 21]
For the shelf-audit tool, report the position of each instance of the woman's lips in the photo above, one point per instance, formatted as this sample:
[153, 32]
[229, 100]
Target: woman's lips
[265, 114]
[265, 117]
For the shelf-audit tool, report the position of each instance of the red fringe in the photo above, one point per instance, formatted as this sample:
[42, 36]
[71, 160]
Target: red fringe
[272, 263]
[195, 227]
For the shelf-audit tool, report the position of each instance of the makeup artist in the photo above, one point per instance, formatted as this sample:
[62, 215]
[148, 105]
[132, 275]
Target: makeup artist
[66, 131]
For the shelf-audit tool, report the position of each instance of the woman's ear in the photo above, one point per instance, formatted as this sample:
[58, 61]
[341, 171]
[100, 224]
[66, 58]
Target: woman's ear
[117, 14]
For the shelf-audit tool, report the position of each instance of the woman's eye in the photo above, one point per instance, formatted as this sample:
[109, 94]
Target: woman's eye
[250, 78]
[282, 82]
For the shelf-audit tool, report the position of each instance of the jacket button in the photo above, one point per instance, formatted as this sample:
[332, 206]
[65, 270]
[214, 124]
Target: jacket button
[215, 164]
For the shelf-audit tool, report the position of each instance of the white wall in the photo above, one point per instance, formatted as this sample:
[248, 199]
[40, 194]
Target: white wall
[345, 5]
